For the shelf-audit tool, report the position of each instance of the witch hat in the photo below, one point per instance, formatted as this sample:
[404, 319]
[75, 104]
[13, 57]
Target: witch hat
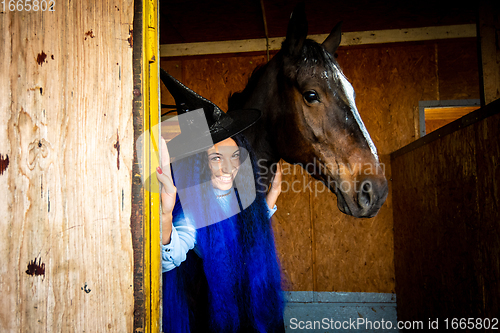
[202, 123]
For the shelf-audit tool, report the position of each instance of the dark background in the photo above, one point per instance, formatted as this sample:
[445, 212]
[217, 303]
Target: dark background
[186, 21]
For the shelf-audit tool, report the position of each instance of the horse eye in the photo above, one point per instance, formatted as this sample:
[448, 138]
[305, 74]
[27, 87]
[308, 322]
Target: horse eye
[311, 96]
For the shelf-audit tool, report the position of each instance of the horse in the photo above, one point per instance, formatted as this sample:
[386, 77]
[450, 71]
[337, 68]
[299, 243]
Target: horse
[310, 118]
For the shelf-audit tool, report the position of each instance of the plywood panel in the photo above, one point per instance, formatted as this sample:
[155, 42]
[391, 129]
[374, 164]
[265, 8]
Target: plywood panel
[488, 215]
[389, 81]
[352, 255]
[458, 69]
[174, 68]
[66, 128]
[216, 78]
[170, 125]
[446, 226]
[436, 193]
[293, 229]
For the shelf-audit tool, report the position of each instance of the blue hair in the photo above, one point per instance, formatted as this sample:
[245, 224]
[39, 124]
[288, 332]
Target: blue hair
[239, 257]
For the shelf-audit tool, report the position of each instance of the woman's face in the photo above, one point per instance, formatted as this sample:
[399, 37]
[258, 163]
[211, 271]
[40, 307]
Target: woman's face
[224, 161]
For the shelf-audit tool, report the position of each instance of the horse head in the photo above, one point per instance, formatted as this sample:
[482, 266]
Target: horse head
[310, 118]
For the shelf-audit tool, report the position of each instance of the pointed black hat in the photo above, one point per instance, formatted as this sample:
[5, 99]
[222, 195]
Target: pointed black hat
[200, 130]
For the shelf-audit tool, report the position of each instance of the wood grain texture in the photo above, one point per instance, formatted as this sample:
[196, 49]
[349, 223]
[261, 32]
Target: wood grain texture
[446, 225]
[488, 182]
[353, 255]
[293, 229]
[65, 123]
[458, 69]
[438, 117]
[216, 78]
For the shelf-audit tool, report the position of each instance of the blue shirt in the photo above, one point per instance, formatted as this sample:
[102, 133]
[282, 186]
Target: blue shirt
[183, 237]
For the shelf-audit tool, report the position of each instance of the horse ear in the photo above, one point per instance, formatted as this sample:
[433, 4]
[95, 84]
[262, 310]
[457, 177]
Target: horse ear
[332, 42]
[297, 30]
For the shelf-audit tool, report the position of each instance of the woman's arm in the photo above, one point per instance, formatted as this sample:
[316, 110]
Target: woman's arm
[178, 234]
[275, 189]
[182, 239]
[168, 192]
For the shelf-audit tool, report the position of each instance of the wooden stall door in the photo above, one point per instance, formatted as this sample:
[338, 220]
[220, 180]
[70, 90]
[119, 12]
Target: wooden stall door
[446, 222]
[66, 155]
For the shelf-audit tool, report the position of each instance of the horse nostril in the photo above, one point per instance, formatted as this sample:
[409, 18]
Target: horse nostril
[365, 195]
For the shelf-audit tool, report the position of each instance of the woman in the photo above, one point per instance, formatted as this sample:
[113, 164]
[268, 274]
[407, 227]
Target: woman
[230, 282]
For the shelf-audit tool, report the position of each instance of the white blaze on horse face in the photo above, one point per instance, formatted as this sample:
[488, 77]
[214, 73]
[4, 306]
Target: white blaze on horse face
[349, 91]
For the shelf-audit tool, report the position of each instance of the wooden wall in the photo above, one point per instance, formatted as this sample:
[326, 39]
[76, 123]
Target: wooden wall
[66, 150]
[446, 224]
[320, 248]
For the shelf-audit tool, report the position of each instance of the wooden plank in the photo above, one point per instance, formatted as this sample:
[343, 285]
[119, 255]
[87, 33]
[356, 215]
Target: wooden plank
[137, 217]
[446, 225]
[438, 117]
[150, 161]
[488, 215]
[448, 113]
[436, 195]
[65, 198]
[348, 39]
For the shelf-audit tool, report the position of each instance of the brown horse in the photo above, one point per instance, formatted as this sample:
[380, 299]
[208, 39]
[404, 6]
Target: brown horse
[309, 117]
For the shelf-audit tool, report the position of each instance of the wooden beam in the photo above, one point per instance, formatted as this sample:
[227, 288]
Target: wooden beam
[448, 113]
[151, 142]
[348, 39]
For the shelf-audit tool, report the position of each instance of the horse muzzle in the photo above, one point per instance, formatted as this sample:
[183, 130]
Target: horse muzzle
[364, 199]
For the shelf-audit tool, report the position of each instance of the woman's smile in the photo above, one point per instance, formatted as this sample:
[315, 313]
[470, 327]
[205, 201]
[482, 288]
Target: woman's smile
[225, 179]
[224, 161]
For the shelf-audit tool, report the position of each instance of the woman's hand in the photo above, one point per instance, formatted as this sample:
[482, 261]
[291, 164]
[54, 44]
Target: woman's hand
[168, 191]
[275, 189]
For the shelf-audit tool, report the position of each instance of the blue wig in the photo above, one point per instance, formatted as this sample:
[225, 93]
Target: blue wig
[239, 260]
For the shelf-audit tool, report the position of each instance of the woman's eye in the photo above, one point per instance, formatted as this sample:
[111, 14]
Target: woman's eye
[311, 96]
[215, 159]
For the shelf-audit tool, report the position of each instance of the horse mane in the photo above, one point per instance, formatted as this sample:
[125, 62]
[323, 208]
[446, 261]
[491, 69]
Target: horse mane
[313, 54]
[237, 100]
